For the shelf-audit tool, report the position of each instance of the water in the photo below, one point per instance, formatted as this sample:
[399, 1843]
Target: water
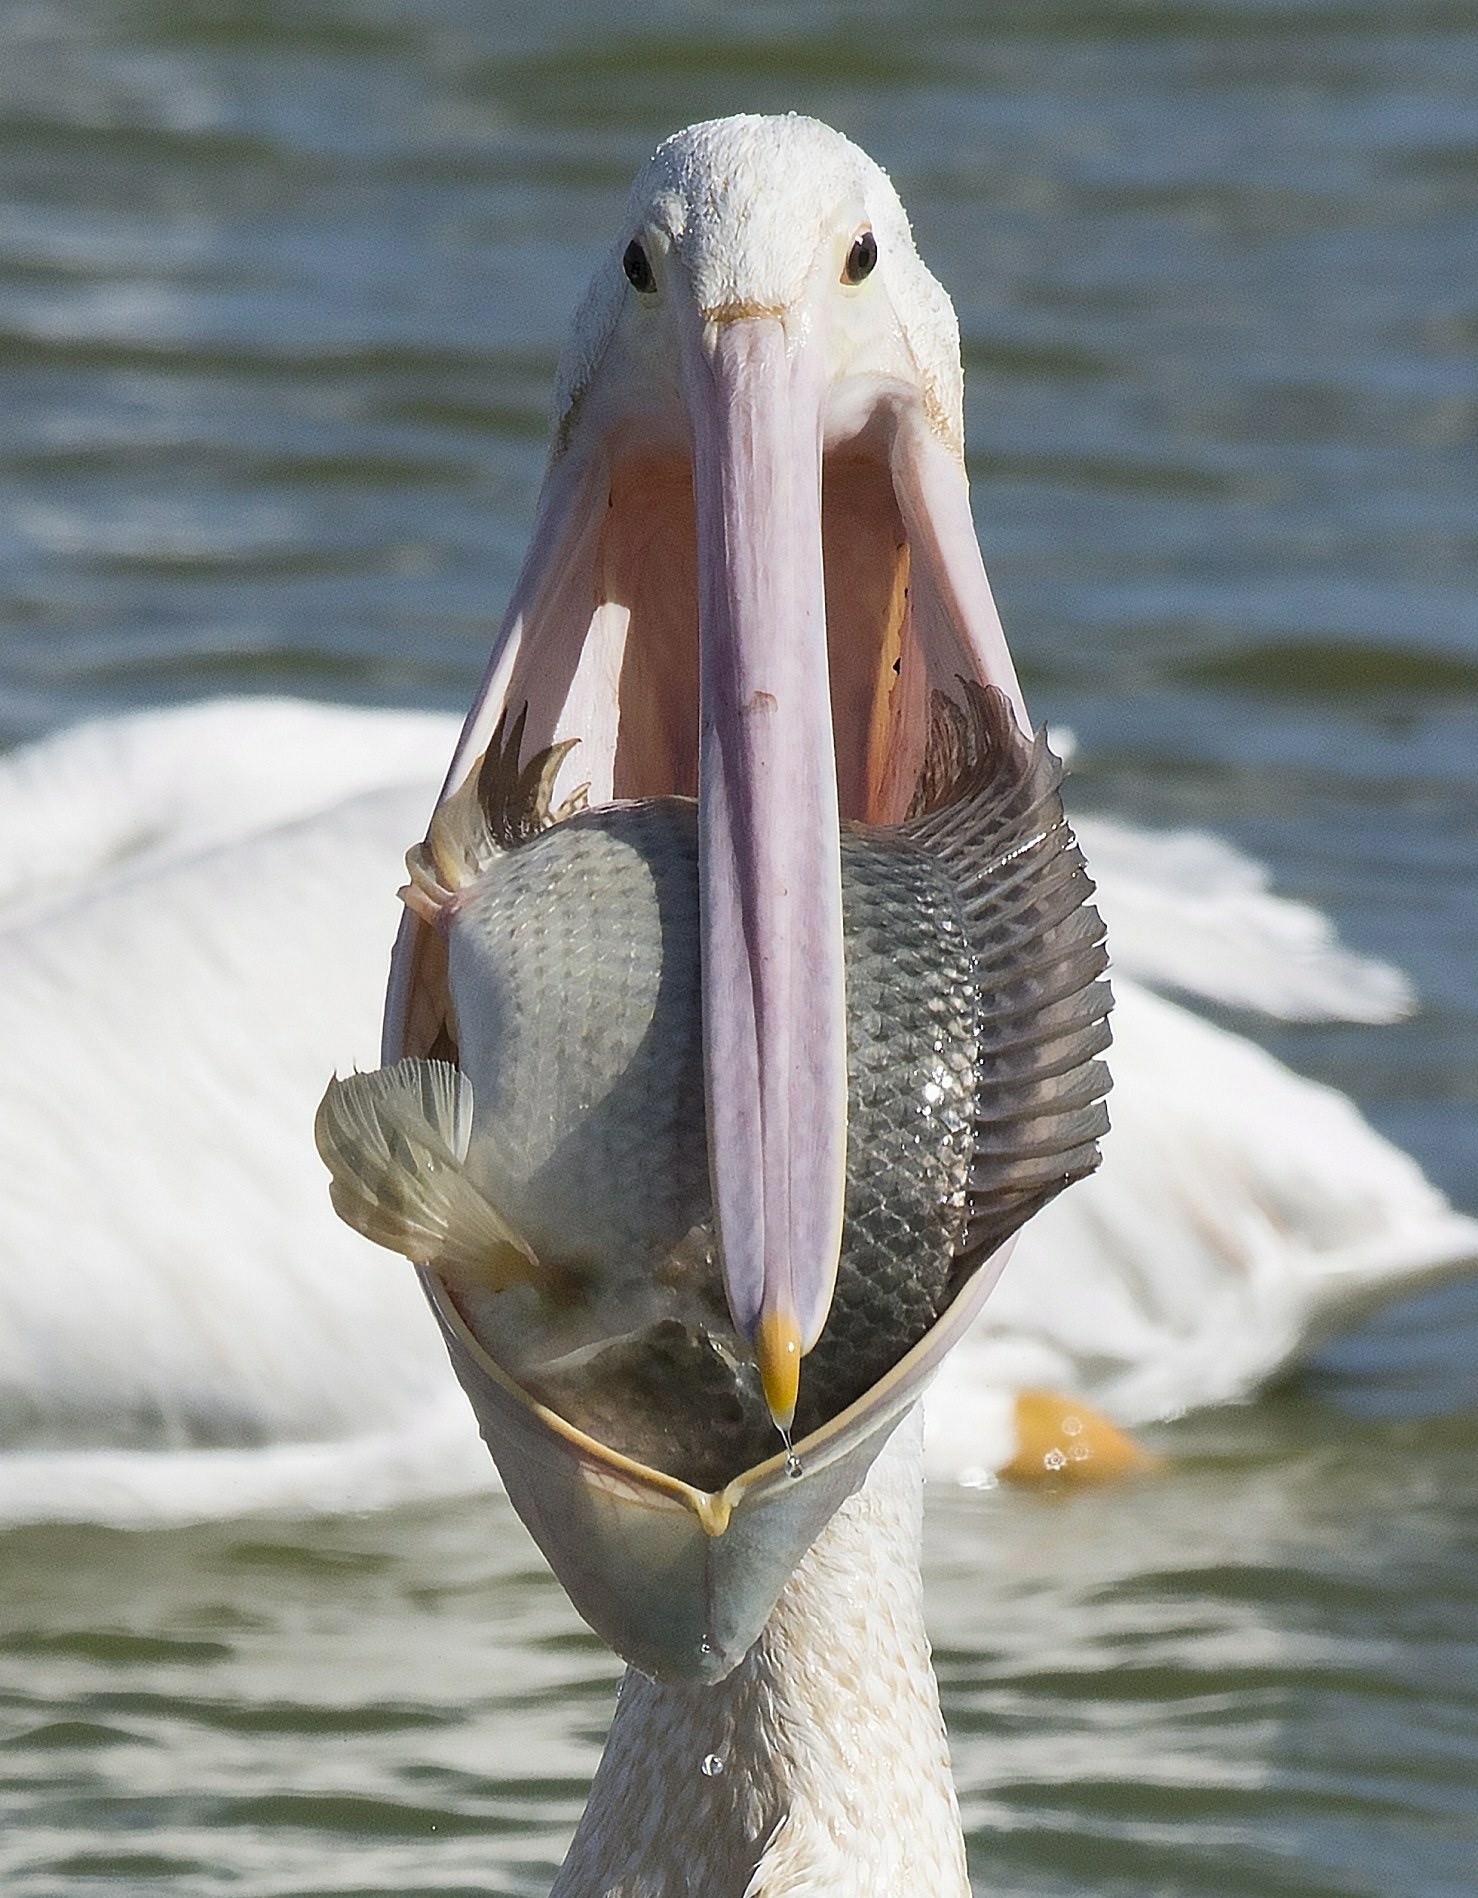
[280, 293]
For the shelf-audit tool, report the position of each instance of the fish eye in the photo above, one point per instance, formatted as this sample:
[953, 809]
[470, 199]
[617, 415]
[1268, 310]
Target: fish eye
[860, 258]
[638, 267]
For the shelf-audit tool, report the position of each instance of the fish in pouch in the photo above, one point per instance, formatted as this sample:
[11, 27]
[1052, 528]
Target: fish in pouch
[553, 1168]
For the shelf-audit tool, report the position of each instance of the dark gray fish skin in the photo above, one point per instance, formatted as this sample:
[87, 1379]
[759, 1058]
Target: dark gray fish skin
[683, 1394]
[975, 1014]
[677, 1396]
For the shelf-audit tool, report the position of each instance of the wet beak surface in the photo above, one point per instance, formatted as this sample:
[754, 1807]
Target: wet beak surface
[774, 1012]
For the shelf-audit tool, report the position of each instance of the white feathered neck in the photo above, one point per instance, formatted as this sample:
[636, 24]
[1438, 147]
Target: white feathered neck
[827, 1769]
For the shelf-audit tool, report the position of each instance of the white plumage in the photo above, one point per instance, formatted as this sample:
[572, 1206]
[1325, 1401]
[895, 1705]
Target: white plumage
[197, 934]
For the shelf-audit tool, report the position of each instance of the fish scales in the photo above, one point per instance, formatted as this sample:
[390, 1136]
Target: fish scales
[576, 1010]
[585, 1050]
[974, 1018]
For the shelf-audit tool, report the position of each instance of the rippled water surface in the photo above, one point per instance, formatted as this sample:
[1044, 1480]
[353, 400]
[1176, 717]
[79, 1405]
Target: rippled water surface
[281, 287]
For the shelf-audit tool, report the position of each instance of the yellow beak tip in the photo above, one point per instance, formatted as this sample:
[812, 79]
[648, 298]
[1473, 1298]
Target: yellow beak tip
[777, 1350]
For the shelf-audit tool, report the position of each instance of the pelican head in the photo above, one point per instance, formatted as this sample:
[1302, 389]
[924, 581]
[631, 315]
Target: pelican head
[754, 579]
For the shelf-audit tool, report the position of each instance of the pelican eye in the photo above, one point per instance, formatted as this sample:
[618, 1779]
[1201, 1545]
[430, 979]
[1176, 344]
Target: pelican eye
[860, 258]
[638, 267]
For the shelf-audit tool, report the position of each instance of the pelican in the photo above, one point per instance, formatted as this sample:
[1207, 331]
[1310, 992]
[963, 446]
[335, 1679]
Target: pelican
[207, 1339]
[753, 578]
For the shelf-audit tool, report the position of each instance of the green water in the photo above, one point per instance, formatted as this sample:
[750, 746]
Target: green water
[1255, 1675]
[281, 288]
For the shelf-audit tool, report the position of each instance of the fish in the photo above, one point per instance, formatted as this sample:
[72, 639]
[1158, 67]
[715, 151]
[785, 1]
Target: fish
[555, 1174]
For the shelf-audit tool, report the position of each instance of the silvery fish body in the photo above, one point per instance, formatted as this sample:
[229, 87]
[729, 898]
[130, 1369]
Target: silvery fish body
[574, 1116]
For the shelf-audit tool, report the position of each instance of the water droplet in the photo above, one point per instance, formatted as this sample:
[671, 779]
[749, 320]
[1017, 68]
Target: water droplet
[977, 1476]
[705, 1646]
[1054, 1460]
[1080, 1453]
[933, 1093]
[793, 1466]
[712, 1765]
[1072, 1425]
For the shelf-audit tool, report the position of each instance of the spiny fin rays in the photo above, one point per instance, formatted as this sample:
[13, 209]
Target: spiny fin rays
[517, 804]
[989, 812]
[496, 807]
[394, 1141]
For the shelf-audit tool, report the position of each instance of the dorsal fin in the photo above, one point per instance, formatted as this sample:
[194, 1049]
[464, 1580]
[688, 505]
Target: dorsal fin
[990, 814]
[497, 806]
[518, 803]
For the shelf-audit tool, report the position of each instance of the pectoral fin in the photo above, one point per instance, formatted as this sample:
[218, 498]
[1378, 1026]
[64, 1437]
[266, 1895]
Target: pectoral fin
[394, 1141]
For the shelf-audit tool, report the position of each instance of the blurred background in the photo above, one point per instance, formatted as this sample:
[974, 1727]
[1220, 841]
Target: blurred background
[282, 284]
